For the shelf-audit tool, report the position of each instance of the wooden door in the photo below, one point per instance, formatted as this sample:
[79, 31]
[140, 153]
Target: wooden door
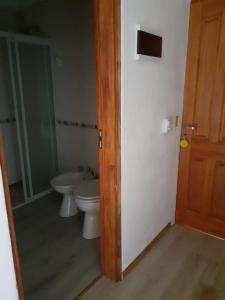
[201, 182]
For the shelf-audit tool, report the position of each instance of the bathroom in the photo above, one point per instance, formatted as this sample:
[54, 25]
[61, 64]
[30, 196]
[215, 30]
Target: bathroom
[49, 127]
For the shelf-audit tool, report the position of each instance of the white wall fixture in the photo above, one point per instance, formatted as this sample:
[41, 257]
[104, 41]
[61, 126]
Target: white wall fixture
[166, 125]
[59, 60]
[136, 28]
[152, 43]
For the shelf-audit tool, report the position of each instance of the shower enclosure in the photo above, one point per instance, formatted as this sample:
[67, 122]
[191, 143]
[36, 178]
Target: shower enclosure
[28, 74]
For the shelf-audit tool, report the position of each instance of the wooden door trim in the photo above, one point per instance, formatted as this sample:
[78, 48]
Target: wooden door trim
[107, 37]
[11, 222]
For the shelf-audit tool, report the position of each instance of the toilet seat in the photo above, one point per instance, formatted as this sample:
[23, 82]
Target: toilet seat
[88, 191]
[67, 180]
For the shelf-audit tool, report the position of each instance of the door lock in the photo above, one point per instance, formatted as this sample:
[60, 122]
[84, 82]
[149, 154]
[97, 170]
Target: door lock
[100, 138]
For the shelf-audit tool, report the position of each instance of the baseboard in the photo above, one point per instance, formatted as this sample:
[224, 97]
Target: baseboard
[202, 231]
[145, 251]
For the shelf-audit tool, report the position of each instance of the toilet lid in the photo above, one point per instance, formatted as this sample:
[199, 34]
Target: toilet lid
[88, 190]
[67, 179]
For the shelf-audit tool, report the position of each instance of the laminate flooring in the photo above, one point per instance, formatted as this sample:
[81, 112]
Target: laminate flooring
[56, 262]
[183, 265]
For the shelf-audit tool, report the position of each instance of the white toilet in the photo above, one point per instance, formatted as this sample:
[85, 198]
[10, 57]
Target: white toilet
[87, 199]
[67, 184]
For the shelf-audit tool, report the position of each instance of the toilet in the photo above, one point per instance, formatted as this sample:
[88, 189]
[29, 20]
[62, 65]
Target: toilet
[67, 184]
[87, 200]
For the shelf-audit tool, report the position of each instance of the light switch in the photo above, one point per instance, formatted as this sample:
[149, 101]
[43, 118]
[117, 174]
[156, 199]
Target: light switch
[166, 126]
[59, 61]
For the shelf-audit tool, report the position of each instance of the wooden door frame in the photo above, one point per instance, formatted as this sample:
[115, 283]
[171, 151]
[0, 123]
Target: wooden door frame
[107, 40]
[107, 37]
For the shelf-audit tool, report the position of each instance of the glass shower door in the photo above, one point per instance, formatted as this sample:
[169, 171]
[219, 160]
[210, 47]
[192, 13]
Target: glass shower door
[36, 102]
[18, 116]
[8, 115]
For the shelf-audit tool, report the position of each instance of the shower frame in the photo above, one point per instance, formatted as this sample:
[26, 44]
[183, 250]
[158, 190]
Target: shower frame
[31, 40]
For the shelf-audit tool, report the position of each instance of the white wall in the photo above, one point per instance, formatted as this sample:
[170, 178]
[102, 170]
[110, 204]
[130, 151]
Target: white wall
[70, 26]
[10, 19]
[150, 92]
[7, 273]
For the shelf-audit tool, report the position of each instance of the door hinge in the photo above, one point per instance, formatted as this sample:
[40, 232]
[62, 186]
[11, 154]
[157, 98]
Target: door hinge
[100, 138]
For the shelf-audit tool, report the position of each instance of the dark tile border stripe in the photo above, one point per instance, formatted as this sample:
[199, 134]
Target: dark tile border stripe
[77, 124]
[7, 120]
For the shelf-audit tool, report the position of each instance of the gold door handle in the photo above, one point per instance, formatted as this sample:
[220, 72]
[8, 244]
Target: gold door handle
[186, 130]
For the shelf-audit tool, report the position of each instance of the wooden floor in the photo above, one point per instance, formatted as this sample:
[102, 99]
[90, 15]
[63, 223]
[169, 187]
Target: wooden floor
[183, 265]
[57, 263]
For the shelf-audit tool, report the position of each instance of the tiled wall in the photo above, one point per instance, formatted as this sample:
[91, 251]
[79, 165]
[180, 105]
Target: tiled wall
[74, 77]
[77, 124]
